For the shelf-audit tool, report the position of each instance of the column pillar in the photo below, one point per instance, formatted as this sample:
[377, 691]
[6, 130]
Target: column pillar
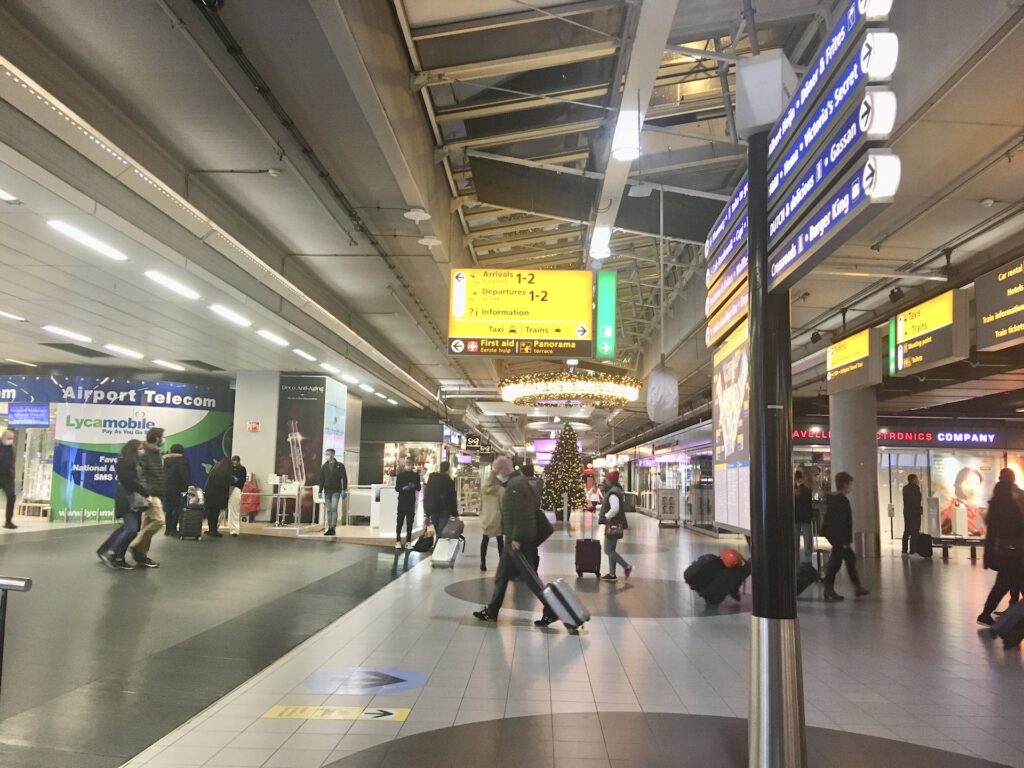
[853, 422]
[256, 399]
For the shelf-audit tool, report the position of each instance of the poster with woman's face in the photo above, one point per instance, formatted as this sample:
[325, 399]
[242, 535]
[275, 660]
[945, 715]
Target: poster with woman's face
[963, 483]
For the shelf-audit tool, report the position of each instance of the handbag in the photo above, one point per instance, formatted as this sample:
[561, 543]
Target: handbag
[424, 543]
[544, 527]
[615, 530]
[138, 502]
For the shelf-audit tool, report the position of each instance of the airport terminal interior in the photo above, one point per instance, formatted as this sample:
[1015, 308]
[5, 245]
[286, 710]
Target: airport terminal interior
[541, 383]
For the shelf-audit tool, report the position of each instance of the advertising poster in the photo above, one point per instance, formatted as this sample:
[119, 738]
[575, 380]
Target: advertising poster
[94, 418]
[731, 415]
[964, 482]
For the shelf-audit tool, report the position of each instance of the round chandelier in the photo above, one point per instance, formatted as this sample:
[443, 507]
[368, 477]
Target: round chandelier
[599, 390]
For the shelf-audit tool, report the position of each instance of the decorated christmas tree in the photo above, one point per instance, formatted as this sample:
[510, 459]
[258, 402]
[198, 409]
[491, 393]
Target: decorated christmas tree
[564, 474]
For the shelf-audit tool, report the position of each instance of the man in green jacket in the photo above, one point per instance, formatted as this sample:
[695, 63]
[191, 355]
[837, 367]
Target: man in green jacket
[519, 508]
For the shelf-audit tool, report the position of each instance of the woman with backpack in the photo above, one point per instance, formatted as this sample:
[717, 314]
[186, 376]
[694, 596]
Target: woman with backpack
[613, 517]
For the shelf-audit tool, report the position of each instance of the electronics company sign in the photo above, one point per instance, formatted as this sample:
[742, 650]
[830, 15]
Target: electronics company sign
[915, 437]
[875, 180]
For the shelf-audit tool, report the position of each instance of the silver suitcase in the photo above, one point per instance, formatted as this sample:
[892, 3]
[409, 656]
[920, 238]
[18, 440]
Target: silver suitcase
[564, 601]
[445, 553]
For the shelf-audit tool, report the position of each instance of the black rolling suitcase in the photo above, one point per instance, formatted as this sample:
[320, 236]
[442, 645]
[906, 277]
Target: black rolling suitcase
[702, 572]
[806, 574]
[921, 544]
[191, 518]
[728, 582]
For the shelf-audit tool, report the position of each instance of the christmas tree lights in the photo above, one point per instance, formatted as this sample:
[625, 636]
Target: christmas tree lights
[564, 474]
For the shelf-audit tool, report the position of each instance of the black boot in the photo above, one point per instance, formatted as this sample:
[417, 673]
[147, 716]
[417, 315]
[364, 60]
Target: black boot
[830, 592]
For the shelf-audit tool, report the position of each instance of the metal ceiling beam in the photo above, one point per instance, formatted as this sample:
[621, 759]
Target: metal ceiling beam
[543, 131]
[508, 19]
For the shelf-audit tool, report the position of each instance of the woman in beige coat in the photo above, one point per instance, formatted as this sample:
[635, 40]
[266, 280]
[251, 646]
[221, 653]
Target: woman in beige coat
[490, 507]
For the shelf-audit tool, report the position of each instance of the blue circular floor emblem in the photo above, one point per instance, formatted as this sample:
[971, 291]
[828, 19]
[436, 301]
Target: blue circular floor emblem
[370, 681]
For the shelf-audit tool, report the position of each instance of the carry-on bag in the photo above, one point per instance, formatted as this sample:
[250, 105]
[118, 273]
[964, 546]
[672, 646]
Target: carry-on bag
[1010, 626]
[424, 543]
[806, 574]
[445, 552]
[921, 544]
[453, 529]
[190, 523]
[728, 582]
[588, 551]
[559, 597]
[702, 571]
[195, 498]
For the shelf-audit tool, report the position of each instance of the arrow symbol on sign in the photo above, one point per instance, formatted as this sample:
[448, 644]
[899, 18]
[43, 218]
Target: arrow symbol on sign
[379, 713]
[606, 347]
[869, 176]
[581, 331]
[460, 277]
[865, 55]
[865, 113]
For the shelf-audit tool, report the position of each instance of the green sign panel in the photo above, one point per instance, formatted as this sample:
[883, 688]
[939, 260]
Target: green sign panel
[605, 340]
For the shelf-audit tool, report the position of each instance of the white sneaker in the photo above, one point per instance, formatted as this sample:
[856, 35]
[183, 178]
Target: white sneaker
[398, 545]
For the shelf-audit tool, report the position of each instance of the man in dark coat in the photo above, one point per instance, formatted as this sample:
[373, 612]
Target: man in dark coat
[1004, 545]
[804, 515]
[439, 498]
[151, 472]
[333, 484]
[7, 460]
[912, 511]
[408, 485]
[838, 529]
[177, 479]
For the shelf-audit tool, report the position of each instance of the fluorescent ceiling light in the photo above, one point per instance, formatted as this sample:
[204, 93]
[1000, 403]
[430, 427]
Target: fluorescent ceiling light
[20, 362]
[304, 355]
[430, 241]
[330, 368]
[87, 240]
[366, 388]
[572, 361]
[272, 337]
[600, 240]
[10, 316]
[56, 331]
[124, 351]
[626, 139]
[349, 378]
[381, 395]
[171, 284]
[417, 214]
[393, 402]
[172, 366]
[230, 315]
[7, 197]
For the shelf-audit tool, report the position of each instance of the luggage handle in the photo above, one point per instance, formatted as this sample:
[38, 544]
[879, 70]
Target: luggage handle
[527, 567]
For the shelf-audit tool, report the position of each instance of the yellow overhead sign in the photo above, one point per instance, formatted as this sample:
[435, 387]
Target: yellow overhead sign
[521, 304]
[848, 350]
[925, 318]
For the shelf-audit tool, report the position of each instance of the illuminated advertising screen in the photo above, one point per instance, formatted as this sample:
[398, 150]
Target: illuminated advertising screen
[928, 335]
[731, 417]
[526, 313]
[999, 307]
[854, 362]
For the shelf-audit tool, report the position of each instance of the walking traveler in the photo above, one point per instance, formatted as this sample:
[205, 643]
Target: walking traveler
[216, 495]
[129, 499]
[7, 461]
[177, 479]
[613, 517]
[912, 511]
[490, 507]
[408, 484]
[838, 529]
[439, 500]
[333, 484]
[804, 516]
[238, 477]
[151, 470]
[1004, 544]
[519, 508]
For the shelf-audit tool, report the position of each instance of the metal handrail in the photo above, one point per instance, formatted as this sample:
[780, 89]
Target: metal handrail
[8, 584]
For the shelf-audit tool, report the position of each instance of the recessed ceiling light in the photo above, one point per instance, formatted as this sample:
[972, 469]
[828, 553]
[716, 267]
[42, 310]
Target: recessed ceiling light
[304, 355]
[330, 368]
[393, 402]
[171, 284]
[20, 362]
[7, 197]
[172, 366]
[349, 378]
[56, 331]
[272, 337]
[417, 214]
[87, 240]
[124, 351]
[366, 388]
[381, 395]
[10, 316]
[230, 315]
[430, 241]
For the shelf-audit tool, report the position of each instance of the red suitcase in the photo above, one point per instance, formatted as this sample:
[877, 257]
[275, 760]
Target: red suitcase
[588, 552]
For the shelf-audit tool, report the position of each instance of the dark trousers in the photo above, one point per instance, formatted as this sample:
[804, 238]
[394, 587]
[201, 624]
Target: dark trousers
[212, 519]
[841, 554]
[519, 564]
[407, 517]
[7, 486]
[118, 541]
[1008, 580]
[439, 520]
[911, 527]
[172, 512]
[486, 540]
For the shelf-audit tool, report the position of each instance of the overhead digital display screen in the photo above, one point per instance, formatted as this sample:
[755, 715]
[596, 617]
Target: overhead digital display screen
[20, 415]
[532, 313]
[731, 419]
[999, 307]
[931, 334]
[854, 362]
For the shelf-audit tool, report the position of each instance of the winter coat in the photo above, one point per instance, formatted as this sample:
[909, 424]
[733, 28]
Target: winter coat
[218, 487]
[838, 527]
[490, 507]
[802, 505]
[333, 477]
[151, 469]
[439, 497]
[519, 508]
[911, 499]
[128, 482]
[1005, 523]
[408, 484]
[7, 460]
[177, 474]
[239, 475]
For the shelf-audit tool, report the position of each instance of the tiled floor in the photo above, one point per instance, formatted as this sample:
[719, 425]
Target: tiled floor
[906, 664]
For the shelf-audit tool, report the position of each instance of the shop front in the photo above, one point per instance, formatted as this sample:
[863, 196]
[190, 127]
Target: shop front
[957, 461]
[69, 431]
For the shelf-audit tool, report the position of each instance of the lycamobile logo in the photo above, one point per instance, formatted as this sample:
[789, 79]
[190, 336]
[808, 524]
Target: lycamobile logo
[108, 423]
